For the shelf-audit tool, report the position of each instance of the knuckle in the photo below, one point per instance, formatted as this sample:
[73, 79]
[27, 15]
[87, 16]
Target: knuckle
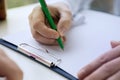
[69, 13]
[103, 59]
[66, 23]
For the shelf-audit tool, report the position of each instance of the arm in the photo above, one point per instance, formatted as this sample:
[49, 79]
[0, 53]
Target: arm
[74, 6]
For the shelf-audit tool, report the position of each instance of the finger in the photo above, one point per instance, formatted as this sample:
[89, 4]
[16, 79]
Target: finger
[38, 37]
[65, 18]
[36, 14]
[54, 13]
[41, 28]
[44, 40]
[115, 43]
[65, 22]
[37, 22]
[116, 76]
[105, 71]
[108, 56]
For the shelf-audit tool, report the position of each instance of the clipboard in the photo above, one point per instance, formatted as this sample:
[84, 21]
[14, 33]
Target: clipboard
[84, 44]
[23, 49]
[51, 66]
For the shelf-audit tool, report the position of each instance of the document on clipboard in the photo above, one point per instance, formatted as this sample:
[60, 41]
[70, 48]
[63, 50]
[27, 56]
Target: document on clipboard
[84, 44]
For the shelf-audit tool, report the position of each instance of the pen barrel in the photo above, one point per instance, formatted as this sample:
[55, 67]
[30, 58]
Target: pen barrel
[50, 20]
[59, 40]
[47, 14]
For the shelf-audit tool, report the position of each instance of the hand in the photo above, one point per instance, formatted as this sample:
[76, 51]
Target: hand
[8, 68]
[40, 27]
[106, 67]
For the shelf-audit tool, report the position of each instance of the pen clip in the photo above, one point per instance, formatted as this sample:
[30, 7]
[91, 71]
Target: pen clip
[40, 54]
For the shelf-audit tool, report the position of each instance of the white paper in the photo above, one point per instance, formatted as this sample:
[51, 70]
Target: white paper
[84, 42]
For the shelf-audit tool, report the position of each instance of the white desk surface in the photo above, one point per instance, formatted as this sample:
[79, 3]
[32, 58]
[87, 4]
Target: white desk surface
[17, 20]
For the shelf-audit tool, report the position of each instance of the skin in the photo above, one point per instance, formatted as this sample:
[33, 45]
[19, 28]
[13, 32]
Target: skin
[105, 67]
[40, 28]
[9, 68]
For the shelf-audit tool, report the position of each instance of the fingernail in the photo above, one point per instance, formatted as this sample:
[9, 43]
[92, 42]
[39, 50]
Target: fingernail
[115, 43]
[57, 36]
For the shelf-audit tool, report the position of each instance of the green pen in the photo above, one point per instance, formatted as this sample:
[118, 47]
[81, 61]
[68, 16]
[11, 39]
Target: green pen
[50, 20]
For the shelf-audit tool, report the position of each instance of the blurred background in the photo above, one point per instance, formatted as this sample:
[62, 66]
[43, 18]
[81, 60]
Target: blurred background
[109, 6]
[18, 3]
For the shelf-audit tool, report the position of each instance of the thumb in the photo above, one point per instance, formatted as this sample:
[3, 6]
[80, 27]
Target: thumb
[64, 23]
[115, 43]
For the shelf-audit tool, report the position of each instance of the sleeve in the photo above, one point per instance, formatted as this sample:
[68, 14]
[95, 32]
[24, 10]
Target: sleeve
[74, 5]
[116, 9]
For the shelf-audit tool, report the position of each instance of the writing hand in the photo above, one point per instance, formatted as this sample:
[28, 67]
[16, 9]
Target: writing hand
[40, 28]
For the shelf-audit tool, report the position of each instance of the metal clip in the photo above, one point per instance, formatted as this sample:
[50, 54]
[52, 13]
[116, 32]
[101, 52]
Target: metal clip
[40, 54]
